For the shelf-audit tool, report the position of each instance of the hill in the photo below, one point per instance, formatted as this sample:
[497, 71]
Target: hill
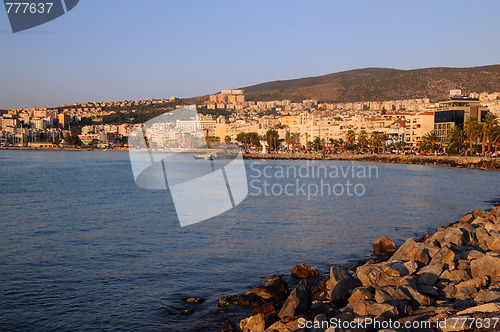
[376, 84]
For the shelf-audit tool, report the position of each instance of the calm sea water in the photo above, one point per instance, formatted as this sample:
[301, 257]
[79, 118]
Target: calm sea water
[83, 248]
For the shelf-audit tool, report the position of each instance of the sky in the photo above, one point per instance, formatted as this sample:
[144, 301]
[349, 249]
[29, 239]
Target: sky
[105, 50]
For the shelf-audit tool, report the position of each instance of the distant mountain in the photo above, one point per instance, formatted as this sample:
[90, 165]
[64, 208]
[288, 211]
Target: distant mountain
[376, 84]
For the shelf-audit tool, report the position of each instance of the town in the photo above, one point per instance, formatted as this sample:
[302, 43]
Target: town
[463, 124]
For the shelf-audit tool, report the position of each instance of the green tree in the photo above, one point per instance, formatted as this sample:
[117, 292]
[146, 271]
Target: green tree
[457, 139]
[430, 141]
[363, 139]
[472, 130]
[489, 122]
[272, 138]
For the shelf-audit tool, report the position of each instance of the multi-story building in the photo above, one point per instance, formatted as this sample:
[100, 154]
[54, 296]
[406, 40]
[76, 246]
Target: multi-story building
[454, 113]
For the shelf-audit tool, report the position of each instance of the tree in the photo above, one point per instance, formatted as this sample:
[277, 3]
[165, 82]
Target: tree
[377, 141]
[317, 144]
[472, 130]
[489, 122]
[363, 139]
[495, 137]
[248, 139]
[272, 138]
[457, 139]
[430, 141]
[350, 137]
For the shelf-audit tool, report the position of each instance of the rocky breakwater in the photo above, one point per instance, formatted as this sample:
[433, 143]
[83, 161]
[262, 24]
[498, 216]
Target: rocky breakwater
[492, 164]
[443, 280]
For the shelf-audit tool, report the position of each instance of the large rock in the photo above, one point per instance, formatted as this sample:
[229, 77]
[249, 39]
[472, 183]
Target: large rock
[387, 294]
[340, 283]
[486, 296]
[456, 235]
[489, 307]
[254, 323]
[378, 275]
[272, 289]
[368, 308]
[413, 251]
[384, 246]
[419, 299]
[455, 276]
[298, 303]
[467, 219]
[445, 256]
[361, 293]
[304, 271]
[429, 274]
[495, 210]
[404, 268]
[488, 265]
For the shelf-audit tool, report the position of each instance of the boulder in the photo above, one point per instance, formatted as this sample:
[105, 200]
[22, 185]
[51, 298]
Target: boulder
[488, 265]
[278, 326]
[265, 309]
[445, 256]
[361, 293]
[271, 289]
[474, 254]
[396, 296]
[418, 298]
[384, 246]
[456, 235]
[450, 291]
[368, 308]
[298, 303]
[467, 219]
[254, 323]
[478, 283]
[388, 294]
[455, 276]
[413, 251]
[428, 290]
[377, 275]
[465, 293]
[320, 291]
[429, 274]
[304, 271]
[486, 296]
[489, 307]
[495, 210]
[404, 268]
[482, 214]
[340, 283]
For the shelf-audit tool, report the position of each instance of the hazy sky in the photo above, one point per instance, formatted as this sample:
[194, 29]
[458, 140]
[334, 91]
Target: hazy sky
[123, 49]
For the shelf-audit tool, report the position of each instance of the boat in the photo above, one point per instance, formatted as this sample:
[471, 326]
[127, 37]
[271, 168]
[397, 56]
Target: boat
[206, 156]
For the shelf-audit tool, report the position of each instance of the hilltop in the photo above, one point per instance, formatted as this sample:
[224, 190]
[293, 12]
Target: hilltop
[376, 84]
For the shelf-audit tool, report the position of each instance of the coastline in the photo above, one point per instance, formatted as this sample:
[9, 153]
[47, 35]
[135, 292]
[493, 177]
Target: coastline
[484, 163]
[436, 283]
[491, 164]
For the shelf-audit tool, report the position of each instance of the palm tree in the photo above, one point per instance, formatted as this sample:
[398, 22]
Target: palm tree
[472, 131]
[350, 137]
[363, 139]
[494, 137]
[490, 120]
[430, 140]
[457, 139]
[377, 140]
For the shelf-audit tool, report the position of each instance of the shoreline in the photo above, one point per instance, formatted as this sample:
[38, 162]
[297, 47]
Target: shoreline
[484, 163]
[443, 278]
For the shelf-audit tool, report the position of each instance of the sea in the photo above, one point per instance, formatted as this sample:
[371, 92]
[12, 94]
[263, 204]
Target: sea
[83, 248]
